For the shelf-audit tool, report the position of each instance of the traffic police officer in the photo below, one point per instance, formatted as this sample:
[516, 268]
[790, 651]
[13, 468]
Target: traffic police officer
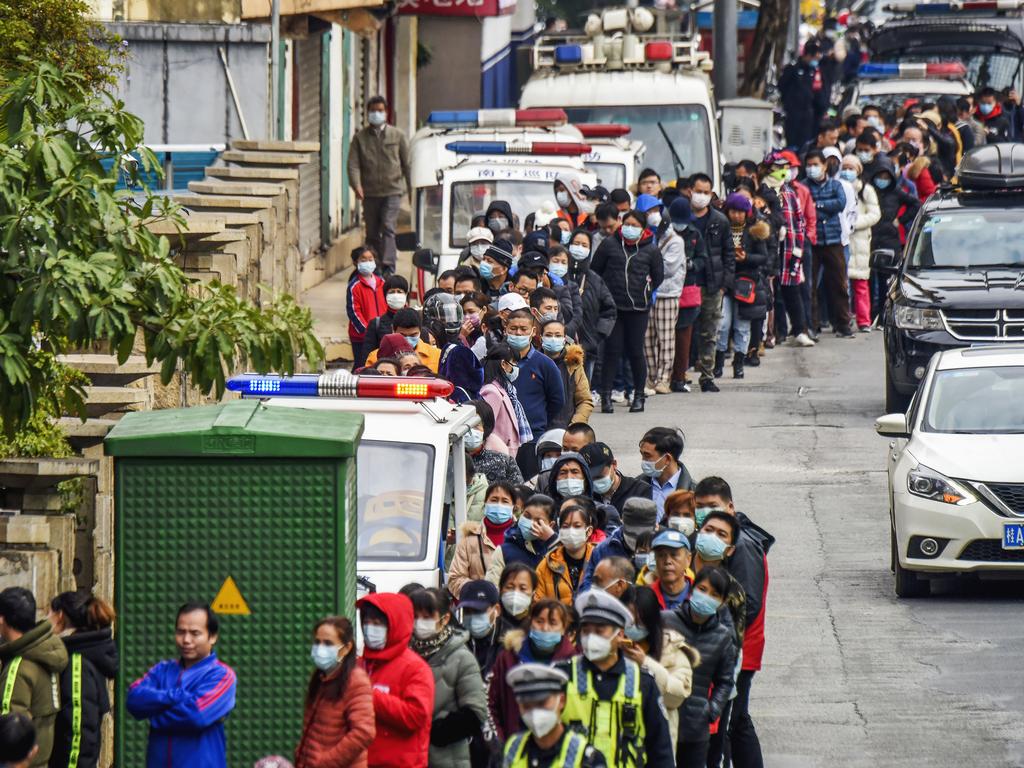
[540, 693]
[609, 697]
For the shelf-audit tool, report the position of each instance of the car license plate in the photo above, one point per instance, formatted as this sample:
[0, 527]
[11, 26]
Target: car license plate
[1013, 536]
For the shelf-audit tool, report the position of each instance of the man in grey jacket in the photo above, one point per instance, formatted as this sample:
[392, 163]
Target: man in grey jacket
[379, 172]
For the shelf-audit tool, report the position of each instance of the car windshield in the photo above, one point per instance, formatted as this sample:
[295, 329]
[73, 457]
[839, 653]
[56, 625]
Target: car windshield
[984, 68]
[609, 175]
[970, 238]
[472, 197]
[982, 400]
[685, 124]
[394, 507]
[895, 103]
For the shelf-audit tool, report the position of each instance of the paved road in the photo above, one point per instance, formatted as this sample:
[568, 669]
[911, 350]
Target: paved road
[853, 677]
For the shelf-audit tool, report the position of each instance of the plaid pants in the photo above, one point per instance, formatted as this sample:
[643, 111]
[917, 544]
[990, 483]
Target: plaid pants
[660, 341]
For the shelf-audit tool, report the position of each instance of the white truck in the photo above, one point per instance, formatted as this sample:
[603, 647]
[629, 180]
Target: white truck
[614, 158]
[463, 160]
[639, 68]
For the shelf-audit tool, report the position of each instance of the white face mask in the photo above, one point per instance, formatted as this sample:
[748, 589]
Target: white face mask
[375, 636]
[654, 219]
[573, 538]
[377, 117]
[516, 602]
[685, 525]
[540, 721]
[700, 200]
[424, 629]
[595, 647]
[477, 250]
[395, 300]
[562, 198]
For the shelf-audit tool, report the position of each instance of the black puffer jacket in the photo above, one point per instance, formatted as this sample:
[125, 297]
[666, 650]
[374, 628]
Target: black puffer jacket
[99, 664]
[631, 272]
[714, 640]
[597, 305]
[571, 304]
[885, 234]
[756, 238]
[718, 271]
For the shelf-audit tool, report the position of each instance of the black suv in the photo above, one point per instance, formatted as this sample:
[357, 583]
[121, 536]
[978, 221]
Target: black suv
[961, 279]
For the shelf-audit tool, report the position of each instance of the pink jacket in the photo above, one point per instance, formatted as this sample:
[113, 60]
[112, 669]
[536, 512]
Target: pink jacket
[506, 426]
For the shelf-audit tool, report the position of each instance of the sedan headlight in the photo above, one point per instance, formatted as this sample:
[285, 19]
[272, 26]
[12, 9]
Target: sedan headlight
[929, 484]
[917, 318]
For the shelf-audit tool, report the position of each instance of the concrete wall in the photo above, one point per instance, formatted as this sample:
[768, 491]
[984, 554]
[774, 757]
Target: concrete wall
[175, 80]
[452, 79]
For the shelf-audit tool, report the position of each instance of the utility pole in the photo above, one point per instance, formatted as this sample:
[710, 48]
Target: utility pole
[793, 30]
[725, 49]
[276, 120]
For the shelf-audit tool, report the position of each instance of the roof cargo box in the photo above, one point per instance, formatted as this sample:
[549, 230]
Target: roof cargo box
[993, 167]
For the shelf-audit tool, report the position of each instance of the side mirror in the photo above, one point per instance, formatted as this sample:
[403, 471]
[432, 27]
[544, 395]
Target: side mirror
[426, 260]
[407, 241]
[892, 425]
[885, 261]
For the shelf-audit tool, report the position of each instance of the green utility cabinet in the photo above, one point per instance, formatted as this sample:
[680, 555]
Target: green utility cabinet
[251, 508]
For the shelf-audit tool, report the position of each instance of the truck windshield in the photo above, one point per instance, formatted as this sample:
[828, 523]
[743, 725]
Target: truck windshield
[470, 197]
[609, 175]
[985, 400]
[685, 124]
[969, 239]
[394, 504]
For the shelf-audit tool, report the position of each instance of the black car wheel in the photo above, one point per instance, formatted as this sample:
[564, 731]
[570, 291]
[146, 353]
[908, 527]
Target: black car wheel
[908, 583]
[895, 401]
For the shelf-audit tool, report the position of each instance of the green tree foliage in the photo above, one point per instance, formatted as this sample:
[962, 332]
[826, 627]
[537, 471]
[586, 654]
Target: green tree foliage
[79, 268]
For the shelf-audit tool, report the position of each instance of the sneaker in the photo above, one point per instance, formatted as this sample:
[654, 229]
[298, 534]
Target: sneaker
[662, 388]
[650, 392]
[865, 329]
[801, 340]
[618, 396]
[595, 398]
[681, 386]
[708, 385]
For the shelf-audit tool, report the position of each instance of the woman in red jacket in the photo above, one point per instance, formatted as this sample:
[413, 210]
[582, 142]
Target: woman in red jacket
[364, 302]
[338, 725]
[403, 685]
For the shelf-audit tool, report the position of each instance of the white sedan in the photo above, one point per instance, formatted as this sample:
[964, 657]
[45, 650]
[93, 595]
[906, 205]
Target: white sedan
[956, 469]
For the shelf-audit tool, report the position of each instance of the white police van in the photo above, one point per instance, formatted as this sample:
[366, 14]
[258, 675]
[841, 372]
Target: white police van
[614, 158]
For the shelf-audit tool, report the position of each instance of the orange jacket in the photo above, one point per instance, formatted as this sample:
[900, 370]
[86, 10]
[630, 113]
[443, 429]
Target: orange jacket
[553, 575]
[338, 732]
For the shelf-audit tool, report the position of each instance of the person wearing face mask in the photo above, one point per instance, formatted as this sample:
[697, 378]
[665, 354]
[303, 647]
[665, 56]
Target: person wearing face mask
[479, 609]
[338, 722]
[539, 692]
[579, 402]
[662, 653]
[797, 88]
[460, 704]
[597, 306]
[365, 301]
[638, 515]
[497, 466]
[501, 370]
[478, 239]
[659, 341]
[701, 624]
[569, 204]
[494, 268]
[380, 174]
[516, 583]
[559, 572]
[972, 133]
[695, 253]
[475, 548]
[396, 297]
[556, 279]
[672, 561]
[661, 449]
[610, 485]
[570, 477]
[868, 214]
[408, 324]
[475, 308]
[898, 208]
[868, 151]
[609, 697]
[499, 216]
[549, 448]
[829, 256]
[990, 113]
[917, 167]
[633, 269]
[403, 685]
[543, 641]
[528, 540]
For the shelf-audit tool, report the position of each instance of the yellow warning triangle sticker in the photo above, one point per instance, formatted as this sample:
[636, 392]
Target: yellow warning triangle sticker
[229, 600]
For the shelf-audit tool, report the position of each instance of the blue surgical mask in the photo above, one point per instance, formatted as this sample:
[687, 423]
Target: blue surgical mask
[375, 636]
[413, 340]
[548, 463]
[518, 343]
[701, 514]
[325, 657]
[848, 174]
[570, 486]
[815, 172]
[865, 157]
[650, 561]
[377, 118]
[650, 468]
[478, 624]
[636, 633]
[526, 528]
[710, 546]
[883, 183]
[553, 344]
[603, 484]
[986, 109]
[498, 513]
[486, 270]
[564, 236]
[579, 252]
[366, 267]
[631, 232]
[513, 375]
[558, 269]
[704, 604]
[546, 641]
[473, 439]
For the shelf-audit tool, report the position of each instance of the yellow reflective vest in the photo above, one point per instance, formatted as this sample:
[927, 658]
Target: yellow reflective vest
[614, 727]
[571, 756]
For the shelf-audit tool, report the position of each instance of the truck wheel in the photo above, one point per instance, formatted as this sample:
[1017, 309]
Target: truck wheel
[895, 401]
[908, 583]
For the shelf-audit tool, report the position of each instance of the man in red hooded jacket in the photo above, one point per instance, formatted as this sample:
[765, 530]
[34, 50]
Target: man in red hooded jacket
[403, 685]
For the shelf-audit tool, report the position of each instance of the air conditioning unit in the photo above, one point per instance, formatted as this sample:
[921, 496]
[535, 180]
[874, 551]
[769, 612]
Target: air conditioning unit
[746, 126]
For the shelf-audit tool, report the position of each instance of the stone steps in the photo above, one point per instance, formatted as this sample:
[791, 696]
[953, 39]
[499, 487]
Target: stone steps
[240, 157]
[104, 370]
[83, 434]
[107, 401]
[252, 174]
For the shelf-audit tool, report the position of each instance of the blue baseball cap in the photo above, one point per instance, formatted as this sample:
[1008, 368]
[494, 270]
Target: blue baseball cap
[670, 538]
[644, 203]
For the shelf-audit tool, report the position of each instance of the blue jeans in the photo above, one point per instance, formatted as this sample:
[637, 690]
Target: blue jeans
[731, 322]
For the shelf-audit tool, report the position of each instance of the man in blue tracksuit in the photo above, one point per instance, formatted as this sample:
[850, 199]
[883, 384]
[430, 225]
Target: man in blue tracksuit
[187, 699]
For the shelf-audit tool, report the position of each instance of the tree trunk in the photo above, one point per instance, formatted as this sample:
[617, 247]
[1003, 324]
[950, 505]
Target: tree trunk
[769, 44]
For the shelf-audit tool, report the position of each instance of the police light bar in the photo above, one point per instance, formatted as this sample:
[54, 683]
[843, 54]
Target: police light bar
[968, 5]
[499, 118]
[602, 130]
[340, 384]
[517, 148]
[894, 70]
